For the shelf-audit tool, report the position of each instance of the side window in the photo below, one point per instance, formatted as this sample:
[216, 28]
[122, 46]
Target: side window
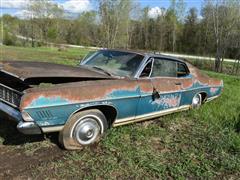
[147, 69]
[164, 68]
[181, 70]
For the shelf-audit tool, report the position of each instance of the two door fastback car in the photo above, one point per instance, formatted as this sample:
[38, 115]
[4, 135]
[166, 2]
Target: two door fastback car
[109, 88]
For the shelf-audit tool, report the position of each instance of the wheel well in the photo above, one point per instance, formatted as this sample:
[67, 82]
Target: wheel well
[204, 96]
[109, 112]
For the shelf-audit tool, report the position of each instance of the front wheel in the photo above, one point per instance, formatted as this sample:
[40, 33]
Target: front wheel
[82, 129]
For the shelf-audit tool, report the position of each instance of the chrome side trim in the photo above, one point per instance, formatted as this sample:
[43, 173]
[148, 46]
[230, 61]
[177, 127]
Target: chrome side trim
[144, 117]
[212, 98]
[52, 129]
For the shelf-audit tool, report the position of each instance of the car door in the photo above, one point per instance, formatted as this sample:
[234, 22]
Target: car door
[161, 87]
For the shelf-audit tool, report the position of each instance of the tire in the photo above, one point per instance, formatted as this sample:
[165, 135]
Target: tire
[82, 129]
[197, 101]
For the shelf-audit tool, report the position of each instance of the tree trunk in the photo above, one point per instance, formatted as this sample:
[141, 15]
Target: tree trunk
[218, 59]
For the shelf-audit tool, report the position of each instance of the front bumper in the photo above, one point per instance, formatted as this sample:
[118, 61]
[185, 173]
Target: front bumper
[28, 128]
[23, 127]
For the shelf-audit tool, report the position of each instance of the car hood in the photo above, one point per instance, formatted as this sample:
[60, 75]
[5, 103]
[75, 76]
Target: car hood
[29, 70]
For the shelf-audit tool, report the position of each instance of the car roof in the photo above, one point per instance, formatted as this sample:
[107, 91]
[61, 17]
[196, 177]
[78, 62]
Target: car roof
[166, 57]
[150, 54]
[128, 51]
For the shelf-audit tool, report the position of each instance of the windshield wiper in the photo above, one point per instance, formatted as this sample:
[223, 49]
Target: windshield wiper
[103, 70]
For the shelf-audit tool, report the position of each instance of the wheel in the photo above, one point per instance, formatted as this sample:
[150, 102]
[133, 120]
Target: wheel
[197, 101]
[82, 129]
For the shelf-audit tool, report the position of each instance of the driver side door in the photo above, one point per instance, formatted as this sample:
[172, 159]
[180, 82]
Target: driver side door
[161, 89]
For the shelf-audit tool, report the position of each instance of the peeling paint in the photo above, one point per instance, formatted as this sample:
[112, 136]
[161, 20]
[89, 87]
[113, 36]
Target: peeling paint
[168, 101]
[43, 101]
[213, 90]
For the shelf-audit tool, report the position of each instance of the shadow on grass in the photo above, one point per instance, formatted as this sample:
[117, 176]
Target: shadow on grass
[10, 135]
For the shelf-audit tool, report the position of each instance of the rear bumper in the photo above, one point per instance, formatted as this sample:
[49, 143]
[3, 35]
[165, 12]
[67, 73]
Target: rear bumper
[23, 127]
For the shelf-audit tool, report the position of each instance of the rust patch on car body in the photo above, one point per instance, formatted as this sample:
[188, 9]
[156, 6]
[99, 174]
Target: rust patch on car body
[203, 78]
[79, 91]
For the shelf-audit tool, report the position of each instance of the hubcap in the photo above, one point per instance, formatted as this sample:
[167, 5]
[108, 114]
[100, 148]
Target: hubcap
[86, 131]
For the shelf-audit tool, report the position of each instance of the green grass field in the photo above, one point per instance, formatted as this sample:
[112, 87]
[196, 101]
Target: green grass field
[202, 143]
[70, 56]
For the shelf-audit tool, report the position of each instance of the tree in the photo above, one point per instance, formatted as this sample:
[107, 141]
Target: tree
[176, 14]
[190, 32]
[87, 28]
[114, 22]
[44, 15]
[222, 17]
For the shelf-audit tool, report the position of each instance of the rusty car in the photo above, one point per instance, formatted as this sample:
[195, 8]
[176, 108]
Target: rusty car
[109, 88]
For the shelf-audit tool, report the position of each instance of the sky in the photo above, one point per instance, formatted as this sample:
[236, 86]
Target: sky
[18, 7]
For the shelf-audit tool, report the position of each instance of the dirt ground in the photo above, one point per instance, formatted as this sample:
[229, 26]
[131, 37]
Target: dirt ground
[20, 155]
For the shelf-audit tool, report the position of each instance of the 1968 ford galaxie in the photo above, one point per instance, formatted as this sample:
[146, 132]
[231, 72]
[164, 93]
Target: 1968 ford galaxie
[109, 88]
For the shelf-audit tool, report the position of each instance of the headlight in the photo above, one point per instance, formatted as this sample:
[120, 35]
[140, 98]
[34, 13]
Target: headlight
[26, 116]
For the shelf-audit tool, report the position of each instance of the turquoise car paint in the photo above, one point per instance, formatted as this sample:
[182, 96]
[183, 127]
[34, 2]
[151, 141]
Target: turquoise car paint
[58, 113]
[127, 103]
[166, 101]
[48, 101]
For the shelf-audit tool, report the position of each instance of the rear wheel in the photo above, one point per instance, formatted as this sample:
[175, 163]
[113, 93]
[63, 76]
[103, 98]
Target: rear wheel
[197, 101]
[83, 128]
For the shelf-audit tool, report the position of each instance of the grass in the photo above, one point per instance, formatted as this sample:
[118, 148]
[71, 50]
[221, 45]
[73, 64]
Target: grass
[202, 143]
[70, 56]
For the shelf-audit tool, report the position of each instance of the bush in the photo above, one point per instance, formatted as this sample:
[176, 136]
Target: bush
[8, 39]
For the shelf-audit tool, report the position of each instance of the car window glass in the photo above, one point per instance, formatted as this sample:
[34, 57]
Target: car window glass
[116, 62]
[89, 54]
[164, 68]
[181, 70]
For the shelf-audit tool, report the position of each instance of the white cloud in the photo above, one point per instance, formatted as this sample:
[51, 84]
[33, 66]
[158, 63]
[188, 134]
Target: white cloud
[155, 12]
[69, 6]
[77, 6]
[14, 4]
[23, 14]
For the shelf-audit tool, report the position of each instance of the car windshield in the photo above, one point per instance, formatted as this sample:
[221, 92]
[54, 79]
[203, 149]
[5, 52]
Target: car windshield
[115, 62]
